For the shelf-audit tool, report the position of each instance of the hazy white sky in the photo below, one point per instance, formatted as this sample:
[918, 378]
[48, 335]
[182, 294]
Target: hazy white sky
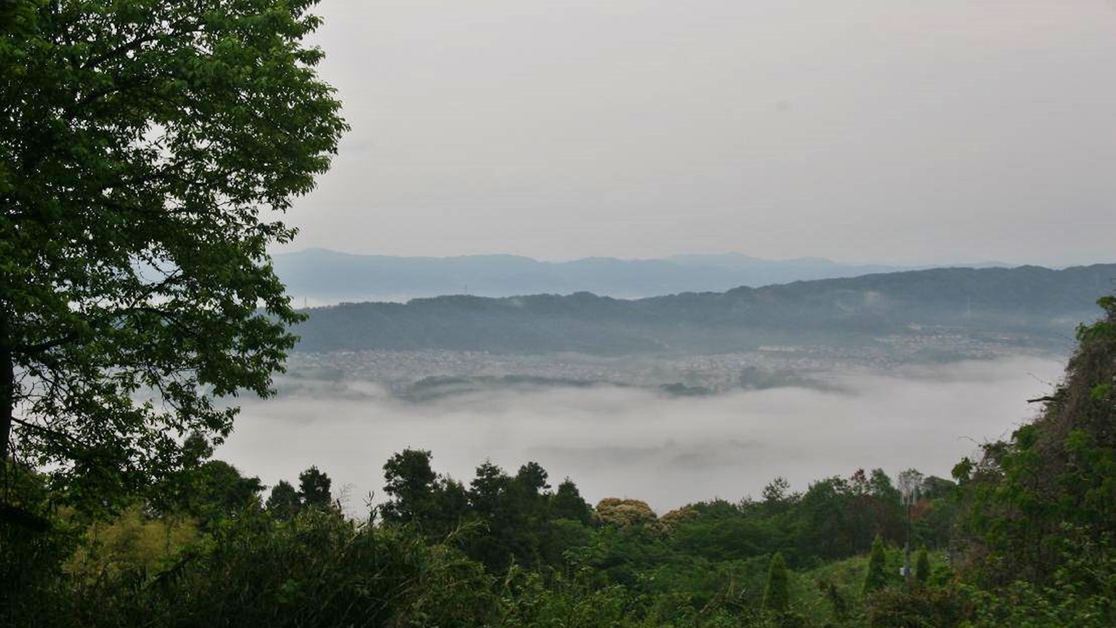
[865, 130]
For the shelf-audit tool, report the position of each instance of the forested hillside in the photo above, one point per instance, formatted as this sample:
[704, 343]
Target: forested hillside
[1020, 536]
[1026, 306]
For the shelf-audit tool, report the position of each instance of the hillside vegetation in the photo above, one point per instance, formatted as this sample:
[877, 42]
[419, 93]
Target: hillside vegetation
[1021, 307]
[1021, 536]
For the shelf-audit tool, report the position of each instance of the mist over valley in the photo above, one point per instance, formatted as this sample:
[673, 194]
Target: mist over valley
[675, 398]
[648, 444]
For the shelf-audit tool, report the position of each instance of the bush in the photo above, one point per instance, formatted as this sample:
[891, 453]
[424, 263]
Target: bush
[928, 607]
[33, 551]
[317, 570]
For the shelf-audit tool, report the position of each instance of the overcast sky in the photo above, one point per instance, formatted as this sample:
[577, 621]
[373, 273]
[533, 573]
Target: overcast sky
[908, 131]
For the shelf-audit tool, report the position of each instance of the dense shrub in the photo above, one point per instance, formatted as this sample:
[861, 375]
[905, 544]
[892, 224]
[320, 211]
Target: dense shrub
[317, 570]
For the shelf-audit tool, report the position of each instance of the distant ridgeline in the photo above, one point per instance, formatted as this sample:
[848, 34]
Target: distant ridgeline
[1027, 306]
[323, 276]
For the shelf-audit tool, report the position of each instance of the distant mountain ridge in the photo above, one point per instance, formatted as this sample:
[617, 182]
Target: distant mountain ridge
[1025, 306]
[324, 276]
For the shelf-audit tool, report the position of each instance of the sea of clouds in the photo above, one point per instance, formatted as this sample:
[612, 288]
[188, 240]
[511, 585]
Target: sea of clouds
[624, 442]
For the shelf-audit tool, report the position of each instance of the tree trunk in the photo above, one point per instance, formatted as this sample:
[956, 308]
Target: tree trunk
[7, 388]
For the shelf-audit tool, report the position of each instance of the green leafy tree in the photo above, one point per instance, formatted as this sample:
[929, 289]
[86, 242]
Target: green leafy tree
[530, 494]
[450, 508]
[876, 578]
[532, 477]
[776, 595]
[777, 494]
[223, 492]
[567, 503]
[824, 526]
[284, 503]
[178, 492]
[488, 488]
[145, 148]
[489, 501]
[410, 483]
[205, 488]
[1032, 502]
[515, 513]
[313, 489]
[891, 514]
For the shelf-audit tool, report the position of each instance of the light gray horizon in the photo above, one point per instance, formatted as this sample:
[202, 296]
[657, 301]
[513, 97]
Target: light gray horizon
[869, 131]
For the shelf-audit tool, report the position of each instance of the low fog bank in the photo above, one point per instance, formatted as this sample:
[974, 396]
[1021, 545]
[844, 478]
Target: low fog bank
[624, 442]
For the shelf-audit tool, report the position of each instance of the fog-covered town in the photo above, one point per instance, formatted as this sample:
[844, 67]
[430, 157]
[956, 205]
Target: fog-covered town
[769, 366]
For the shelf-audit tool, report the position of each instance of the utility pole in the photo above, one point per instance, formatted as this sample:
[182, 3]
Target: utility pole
[910, 485]
[907, 550]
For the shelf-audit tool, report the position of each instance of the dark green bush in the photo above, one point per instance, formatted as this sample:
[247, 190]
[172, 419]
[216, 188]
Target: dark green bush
[317, 570]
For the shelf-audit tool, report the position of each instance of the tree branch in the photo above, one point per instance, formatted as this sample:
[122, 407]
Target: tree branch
[50, 432]
[43, 347]
[93, 62]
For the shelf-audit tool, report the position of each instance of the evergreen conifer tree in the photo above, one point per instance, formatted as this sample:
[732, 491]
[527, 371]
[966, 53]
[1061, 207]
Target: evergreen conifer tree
[877, 575]
[313, 488]
[567, 503]
[411, 484]
[776, 596]
[284, 502]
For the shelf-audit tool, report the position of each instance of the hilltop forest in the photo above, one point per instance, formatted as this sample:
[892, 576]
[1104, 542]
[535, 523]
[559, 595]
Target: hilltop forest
[1021, 535]
[1029, 307]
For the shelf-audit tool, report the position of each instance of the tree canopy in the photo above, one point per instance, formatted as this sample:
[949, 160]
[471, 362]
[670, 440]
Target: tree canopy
[147, 150]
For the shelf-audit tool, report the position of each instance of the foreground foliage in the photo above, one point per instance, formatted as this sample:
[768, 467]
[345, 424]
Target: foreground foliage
[143, 147]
